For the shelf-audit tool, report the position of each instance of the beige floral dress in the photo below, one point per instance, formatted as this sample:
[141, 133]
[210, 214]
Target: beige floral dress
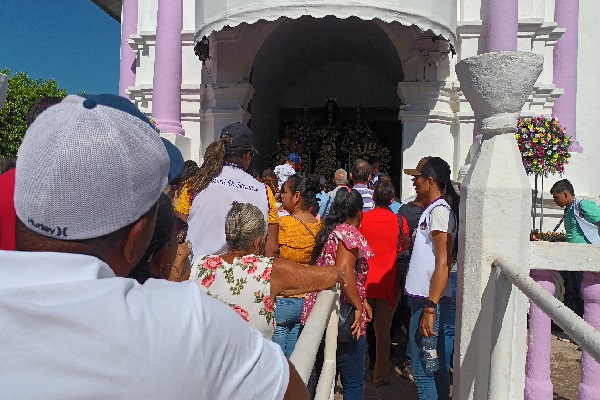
[244, 285]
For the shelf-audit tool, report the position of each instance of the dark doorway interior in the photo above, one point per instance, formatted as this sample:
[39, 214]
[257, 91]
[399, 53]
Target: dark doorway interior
[381, 120]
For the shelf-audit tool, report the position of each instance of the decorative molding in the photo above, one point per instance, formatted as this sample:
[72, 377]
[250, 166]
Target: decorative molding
[428, 101]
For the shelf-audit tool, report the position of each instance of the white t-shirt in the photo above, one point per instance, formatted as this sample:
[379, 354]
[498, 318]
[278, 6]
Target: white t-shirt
[71, 329]
[436, 217]
[283, 172]
[441, 220]
[206, 221]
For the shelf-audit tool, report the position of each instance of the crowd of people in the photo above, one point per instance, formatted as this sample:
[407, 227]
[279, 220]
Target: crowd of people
[138, 274]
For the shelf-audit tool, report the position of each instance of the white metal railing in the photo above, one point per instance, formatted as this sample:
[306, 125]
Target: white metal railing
[578, 329]
[323, 319]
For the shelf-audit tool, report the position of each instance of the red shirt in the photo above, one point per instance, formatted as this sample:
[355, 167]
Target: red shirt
[8, 216]
[380, 228]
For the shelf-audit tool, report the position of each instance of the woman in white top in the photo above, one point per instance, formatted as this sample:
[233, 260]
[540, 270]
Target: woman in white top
[427, 282]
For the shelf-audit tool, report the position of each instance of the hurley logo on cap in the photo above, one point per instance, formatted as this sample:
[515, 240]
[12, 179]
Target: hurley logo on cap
[60, 232]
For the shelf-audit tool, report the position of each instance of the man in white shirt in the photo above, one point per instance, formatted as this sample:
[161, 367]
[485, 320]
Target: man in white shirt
[90, 172]
[206, 221]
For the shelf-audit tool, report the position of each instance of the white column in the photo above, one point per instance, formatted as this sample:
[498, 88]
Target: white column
[222, 106]
[489, 355]
[427, 120]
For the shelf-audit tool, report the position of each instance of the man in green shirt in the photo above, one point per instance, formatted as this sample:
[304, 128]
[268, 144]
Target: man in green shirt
[582, 217]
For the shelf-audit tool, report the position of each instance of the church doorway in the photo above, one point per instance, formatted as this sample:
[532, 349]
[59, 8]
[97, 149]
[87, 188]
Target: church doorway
[308, 64]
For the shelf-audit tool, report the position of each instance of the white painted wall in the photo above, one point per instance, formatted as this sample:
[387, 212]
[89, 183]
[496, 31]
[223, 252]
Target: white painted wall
[588, 88]
[234, 53]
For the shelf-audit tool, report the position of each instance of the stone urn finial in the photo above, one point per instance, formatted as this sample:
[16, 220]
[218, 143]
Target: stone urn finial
[497, 85]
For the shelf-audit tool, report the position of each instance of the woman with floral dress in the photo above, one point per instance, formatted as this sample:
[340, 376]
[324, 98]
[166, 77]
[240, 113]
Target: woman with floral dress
[246, 280]
[341, 243]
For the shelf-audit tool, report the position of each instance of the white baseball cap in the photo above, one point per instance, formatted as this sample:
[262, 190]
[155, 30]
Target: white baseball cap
[87, 167]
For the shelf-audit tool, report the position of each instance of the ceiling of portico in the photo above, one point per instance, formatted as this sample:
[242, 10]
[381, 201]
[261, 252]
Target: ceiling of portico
[296, 48]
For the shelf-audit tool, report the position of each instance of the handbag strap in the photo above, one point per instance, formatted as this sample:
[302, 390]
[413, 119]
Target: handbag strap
[307, 228]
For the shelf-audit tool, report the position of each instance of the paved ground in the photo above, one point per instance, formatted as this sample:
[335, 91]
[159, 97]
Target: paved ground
[565, 375]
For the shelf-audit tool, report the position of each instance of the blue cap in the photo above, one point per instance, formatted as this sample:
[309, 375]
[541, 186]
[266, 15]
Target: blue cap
[175, 158]
[293, 157]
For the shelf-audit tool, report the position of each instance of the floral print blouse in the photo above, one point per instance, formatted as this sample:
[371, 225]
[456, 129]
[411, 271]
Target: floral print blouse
[353, 239]
[244, 285]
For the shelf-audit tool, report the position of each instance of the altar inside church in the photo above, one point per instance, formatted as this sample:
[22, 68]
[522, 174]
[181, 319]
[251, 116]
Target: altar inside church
[330, 138]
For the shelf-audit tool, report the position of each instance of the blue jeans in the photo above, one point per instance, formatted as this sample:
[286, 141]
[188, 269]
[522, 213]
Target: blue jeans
[351, 367]
[436, 387]
[288, 311]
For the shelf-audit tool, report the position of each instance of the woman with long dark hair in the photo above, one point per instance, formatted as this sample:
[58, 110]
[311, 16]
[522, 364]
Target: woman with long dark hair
[340, 242]
[428, 279]
[297, 233]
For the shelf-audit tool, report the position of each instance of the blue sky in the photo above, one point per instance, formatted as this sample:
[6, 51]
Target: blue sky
[72, 41]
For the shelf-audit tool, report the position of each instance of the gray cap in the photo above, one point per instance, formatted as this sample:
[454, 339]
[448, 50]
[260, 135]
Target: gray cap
[87, 167]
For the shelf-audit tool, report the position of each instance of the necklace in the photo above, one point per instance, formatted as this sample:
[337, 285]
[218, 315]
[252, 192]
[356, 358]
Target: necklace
[233, 165]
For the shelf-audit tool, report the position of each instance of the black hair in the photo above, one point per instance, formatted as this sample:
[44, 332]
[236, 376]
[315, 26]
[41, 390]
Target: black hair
[564, 185]
[39, 106]
[308, 185]
[270, 179]
[372, 160]
[383, 191]
[189, 169]
[7, 163]
[347, 204]
[439, 170]
[360, 171]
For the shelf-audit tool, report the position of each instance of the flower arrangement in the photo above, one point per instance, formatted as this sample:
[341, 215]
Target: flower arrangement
[550, 236]
[544, 145]
[327, 162]
[360, 142]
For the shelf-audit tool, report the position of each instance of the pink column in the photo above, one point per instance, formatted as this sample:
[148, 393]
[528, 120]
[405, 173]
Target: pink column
[566, 15]
[129, 18]
[538, 385]
[503, 25]
[166, 96]
[589, 388]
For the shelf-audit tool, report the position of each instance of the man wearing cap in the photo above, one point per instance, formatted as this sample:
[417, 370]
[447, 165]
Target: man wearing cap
[89, 174]
[289, 168]
[221, 180]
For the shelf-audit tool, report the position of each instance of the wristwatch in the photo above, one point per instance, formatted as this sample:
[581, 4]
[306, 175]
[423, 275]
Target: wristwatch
[429, 304]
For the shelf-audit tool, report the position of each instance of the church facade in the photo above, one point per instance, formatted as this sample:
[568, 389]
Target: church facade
[198, 65]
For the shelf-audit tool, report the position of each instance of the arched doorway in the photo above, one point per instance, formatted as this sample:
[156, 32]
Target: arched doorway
[306, 61]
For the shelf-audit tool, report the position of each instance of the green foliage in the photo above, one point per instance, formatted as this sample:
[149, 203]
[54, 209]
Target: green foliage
[22, 91]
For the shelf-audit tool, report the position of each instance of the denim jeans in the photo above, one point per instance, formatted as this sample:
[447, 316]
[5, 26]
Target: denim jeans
[351, 367]
[288, 311]
[436, 387]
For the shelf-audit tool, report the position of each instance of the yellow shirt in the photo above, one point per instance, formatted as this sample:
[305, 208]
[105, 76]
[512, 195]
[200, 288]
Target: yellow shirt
[295, 241]
[273, 214]
[185, 204]
[185, 201]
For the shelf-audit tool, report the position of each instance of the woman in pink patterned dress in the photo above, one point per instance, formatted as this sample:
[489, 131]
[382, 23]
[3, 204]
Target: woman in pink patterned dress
[246, 280]
[340, 243]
